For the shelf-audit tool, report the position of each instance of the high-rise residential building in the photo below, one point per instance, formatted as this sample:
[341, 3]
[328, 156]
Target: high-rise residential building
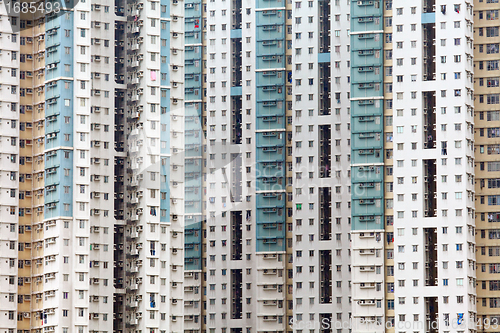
[321, 164]
[241, 166]
[486, 131]
[413, 201]
[93, 185]
[247, 262]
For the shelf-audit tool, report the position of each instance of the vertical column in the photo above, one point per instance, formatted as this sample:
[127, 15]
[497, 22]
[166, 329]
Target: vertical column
[11, 164]
[62, 172]
[121, 174]
[321, 164]
[388, 184]
[36, 112]
[487, 165]
[270, 149]
[194, 219]
[367, 171]
[31, 127]
[434, 251]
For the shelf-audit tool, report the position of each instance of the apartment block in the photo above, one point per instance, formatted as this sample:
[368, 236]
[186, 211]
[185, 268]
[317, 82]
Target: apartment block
[241, 166]
[413, 168]
[485, 122]
[321, 165]
[94, 183]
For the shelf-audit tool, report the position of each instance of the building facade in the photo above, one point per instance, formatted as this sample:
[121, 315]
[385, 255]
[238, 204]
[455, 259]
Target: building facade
[413, 166]
[272, 165]
[94, 186]
[321, 165]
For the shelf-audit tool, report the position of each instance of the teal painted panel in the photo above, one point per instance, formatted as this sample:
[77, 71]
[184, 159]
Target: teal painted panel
[270, 230]
[365, 173]
[192, 207]
[369, 189]
[190, 65]
[236, 33]
[366, 140]
[269, 214]
[271, 61]
[366, 57]
[270, 169]
[270, 3]
[270, 16]
[192, 37]
[324, 57]
[366, 107]
[193, 136]
[428, 18]
[366, 23]
[366, 89]
[270, 139]
[270, 200]
[270, 244]
[366, 7]
[193, 150]
[368, 206]
[270, 47]
[236, 91]
[192, 52]
[193, 112]
[271, 31]
[270, 184]
[193, 193]
[192, 242]
[272, 153]
[368, 222]
[367, 74]
[271, 122]
[272, 77]
[368, 40]
[270, 92]
[367, 155]
[367, 124]
[193, 165]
